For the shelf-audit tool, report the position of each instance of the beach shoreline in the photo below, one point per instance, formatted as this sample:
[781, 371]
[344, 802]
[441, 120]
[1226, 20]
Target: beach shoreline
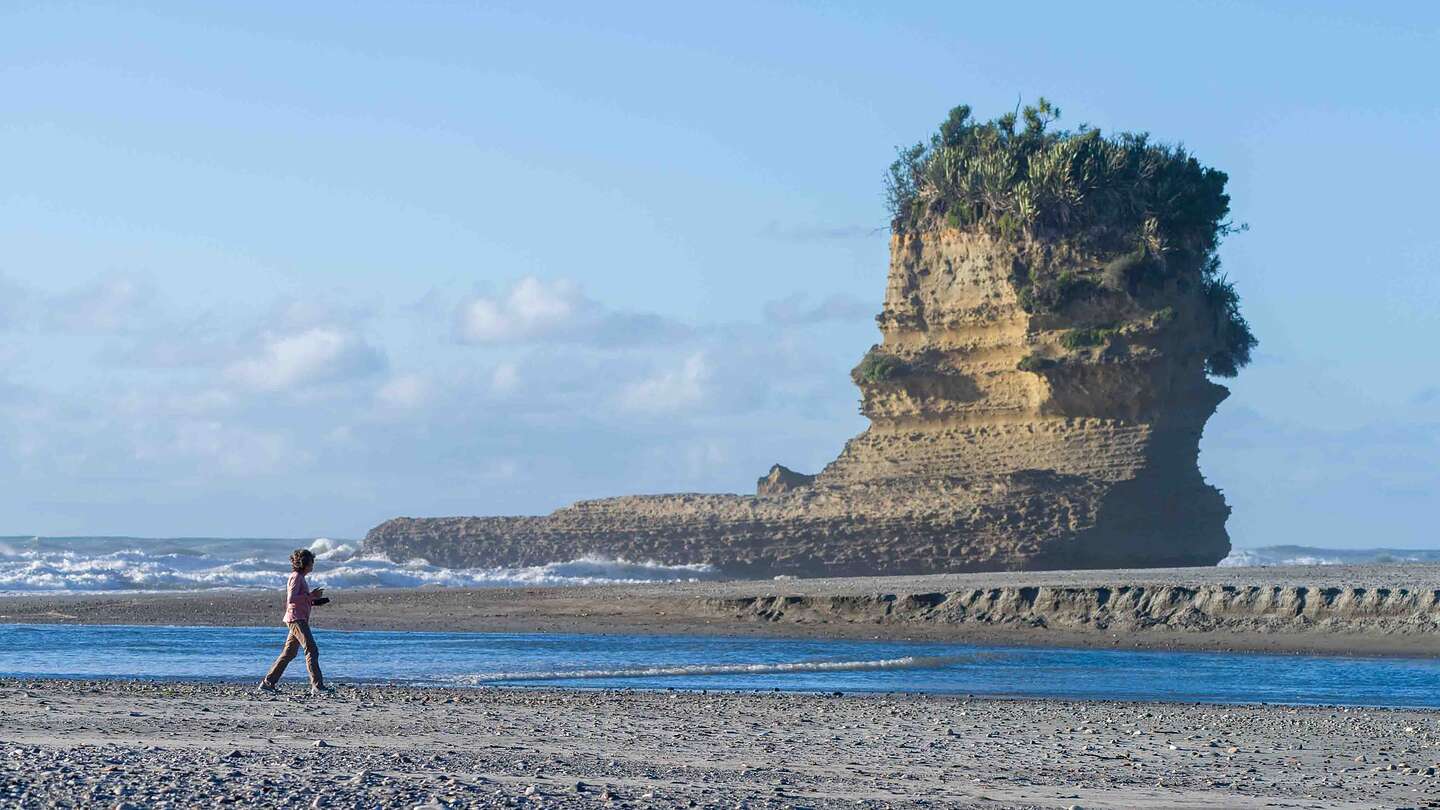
[1329, 610]
[203, 742]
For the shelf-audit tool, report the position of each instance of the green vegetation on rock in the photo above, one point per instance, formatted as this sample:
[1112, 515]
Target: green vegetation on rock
[1035, 363]
[1152, 207]
[878, 366]
[1054, 293]
[1232, 332]
[1085, 338]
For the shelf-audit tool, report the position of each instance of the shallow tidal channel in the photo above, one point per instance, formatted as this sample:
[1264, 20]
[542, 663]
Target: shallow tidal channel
[719, 663]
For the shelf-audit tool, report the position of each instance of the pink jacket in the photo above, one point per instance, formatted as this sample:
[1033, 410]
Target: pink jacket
[297, 599]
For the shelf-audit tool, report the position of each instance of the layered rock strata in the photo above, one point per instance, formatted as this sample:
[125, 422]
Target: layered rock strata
[1002, 436]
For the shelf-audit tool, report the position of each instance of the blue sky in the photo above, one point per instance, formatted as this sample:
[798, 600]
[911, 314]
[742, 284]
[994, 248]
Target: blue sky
[292, 269]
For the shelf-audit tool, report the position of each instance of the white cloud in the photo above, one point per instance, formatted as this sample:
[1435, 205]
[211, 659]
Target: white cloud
[198, 448]
[127, 320]
[12, 301]
[105, 306]
[169, 403]
[670, 390]
[110, 305]
[531, 309]
[313, 356]
[553, 386]
[405, 392]
[704, 455]
[239, 451]
[534, 310]
[505, 378]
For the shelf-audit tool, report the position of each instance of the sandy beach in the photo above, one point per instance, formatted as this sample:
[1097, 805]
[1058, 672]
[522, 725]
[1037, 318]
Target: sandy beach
[1347, 610]
[121, 744]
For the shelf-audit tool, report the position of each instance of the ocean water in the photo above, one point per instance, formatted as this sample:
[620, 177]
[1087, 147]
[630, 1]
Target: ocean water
[720, 663]
[109, 564]
[116, 564]
[1307, 555]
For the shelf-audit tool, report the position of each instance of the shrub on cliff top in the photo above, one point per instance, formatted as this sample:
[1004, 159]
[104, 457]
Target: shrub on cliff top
[1232, 331]
[1038, 181]
[1018, 178]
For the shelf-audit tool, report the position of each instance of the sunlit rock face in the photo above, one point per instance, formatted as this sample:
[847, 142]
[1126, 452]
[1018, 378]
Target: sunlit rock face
[1004, 435]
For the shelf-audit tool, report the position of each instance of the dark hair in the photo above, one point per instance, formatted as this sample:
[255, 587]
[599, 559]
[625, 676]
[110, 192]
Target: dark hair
[302, 558]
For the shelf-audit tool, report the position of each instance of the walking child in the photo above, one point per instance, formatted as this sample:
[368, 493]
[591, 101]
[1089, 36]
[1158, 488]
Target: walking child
[298, 601]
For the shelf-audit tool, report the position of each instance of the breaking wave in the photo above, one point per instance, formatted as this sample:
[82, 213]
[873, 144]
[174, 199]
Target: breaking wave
[98, 565]
[1307, 555]
[907, 662]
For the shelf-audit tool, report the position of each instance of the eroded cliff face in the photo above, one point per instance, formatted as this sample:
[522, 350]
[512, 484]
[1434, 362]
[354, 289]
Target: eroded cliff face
[1004, 435]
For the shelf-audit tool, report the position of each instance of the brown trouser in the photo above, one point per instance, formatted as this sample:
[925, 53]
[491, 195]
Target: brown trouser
[299, 637]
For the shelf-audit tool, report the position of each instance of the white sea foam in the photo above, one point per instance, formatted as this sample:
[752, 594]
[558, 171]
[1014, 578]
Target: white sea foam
[97, 565]
[101, 564]
[1307, 555]
[691, 670]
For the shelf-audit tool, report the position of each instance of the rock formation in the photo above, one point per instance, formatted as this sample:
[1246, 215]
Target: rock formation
[1004, 435]
[782, 479]
[1053, 308]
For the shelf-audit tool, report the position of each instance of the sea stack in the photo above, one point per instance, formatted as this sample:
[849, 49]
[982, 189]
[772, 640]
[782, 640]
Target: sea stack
[1053, 314]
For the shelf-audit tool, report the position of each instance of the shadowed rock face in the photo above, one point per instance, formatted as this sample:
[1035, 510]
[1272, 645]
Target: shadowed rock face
[1000, 439]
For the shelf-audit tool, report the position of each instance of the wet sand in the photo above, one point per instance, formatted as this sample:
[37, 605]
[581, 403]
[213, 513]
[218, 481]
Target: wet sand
[194, 745]
[1349, 610]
